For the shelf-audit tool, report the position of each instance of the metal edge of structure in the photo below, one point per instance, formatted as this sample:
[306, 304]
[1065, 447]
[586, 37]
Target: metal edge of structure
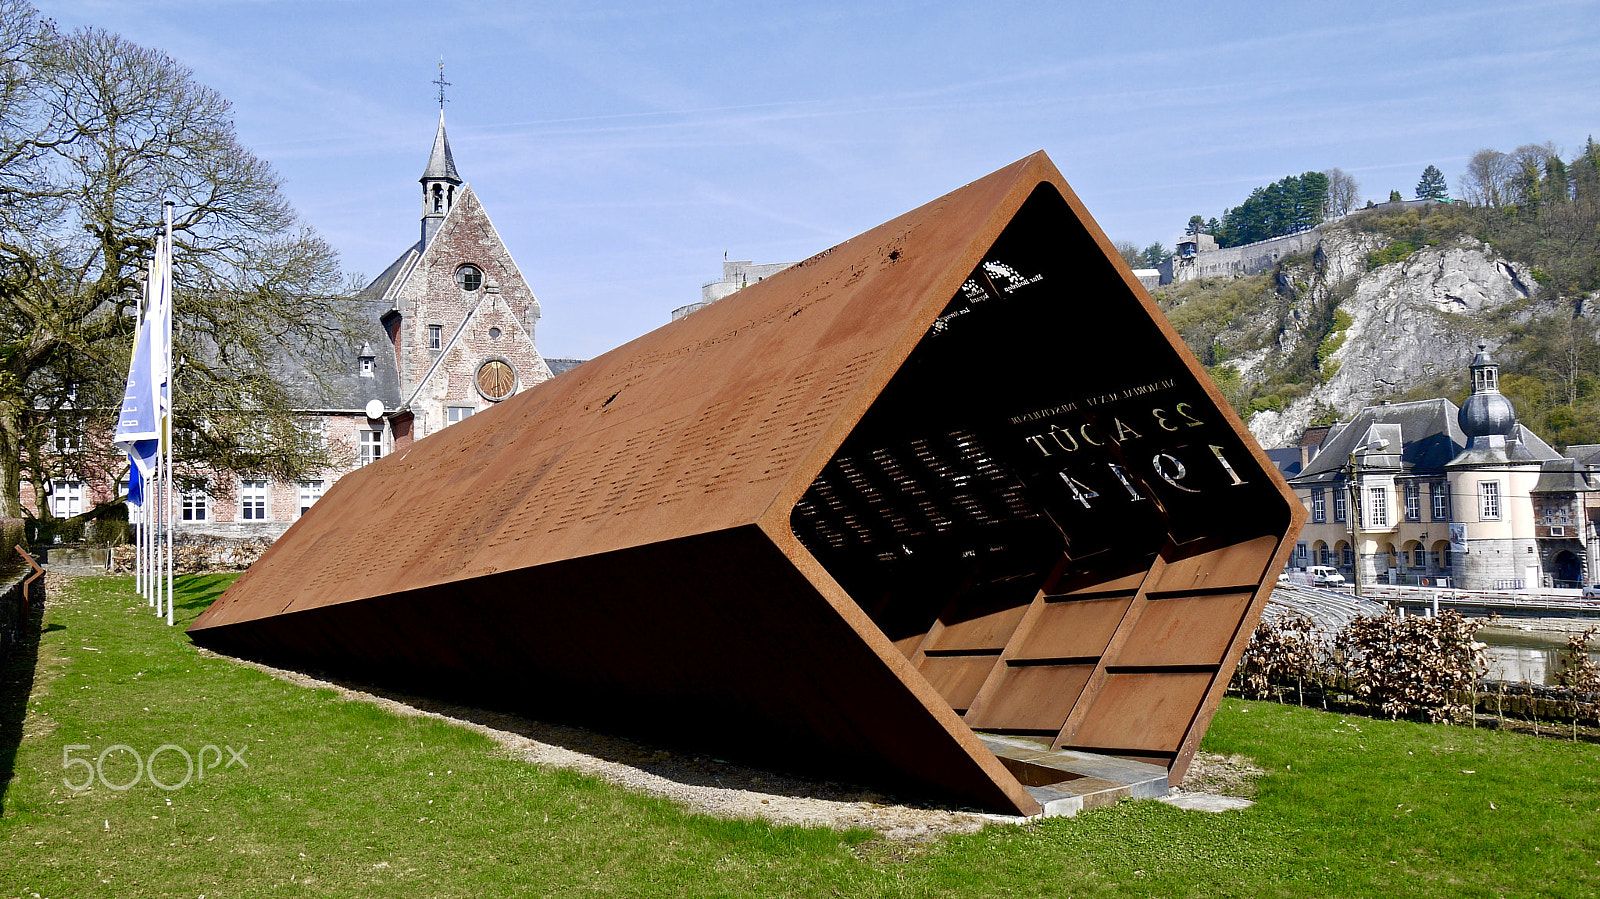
[312, 592]
[1032, 172]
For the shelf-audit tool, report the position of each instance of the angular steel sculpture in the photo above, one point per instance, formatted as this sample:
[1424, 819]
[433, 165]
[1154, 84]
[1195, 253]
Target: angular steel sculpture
[955, 474]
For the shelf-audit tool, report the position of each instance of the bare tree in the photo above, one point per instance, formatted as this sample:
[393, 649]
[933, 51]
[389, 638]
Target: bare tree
[1487, 179]
[1130, 252]
[1527, 165]
[97, 134]
[1343, 193]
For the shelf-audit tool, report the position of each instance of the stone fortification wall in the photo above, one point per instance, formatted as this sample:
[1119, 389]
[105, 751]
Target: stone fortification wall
[1234, 262]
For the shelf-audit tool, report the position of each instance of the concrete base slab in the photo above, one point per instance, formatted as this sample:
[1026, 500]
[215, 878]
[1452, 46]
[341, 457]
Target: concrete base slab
[1066, 781]
[1206, 802]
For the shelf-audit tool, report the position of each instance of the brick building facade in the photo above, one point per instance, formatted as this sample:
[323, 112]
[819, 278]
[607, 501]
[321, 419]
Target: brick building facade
[448, 330]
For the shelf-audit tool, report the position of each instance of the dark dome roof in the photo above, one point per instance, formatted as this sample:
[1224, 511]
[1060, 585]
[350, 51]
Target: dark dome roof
[1486, 414]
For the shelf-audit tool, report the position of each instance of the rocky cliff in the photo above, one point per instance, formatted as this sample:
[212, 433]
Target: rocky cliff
[1361, 318]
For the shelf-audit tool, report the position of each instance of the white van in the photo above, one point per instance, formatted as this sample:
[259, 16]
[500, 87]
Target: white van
[1325, 576]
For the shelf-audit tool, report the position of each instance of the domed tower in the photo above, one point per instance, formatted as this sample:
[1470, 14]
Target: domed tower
[1487, 417]
[1492, 485]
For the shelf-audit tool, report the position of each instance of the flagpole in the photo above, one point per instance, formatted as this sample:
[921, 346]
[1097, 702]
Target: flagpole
[155, 593]
[152, 483]
[167, 427]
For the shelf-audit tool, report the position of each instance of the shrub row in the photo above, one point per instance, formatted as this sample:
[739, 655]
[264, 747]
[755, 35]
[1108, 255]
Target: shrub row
[1425, 668]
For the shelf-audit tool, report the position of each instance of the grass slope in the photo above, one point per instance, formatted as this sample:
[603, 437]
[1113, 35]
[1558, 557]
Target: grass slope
[341, 799]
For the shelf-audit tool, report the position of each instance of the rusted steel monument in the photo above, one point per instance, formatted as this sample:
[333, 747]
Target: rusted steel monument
[956, 474]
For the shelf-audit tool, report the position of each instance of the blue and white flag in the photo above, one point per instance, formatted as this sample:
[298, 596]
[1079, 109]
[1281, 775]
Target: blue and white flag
[139, 425]
[135, 485]
[161, 334]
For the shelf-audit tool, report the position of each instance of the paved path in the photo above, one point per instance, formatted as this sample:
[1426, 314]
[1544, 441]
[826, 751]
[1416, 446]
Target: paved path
[1329, 610]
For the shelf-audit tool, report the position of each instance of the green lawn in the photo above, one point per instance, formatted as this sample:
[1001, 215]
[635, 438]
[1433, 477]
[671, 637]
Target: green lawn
[338, 798]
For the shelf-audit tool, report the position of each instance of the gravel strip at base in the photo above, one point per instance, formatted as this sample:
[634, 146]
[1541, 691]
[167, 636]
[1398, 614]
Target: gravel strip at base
[705, 785]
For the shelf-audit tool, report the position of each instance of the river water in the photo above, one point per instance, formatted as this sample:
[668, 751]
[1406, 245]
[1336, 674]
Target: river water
[1523, 657]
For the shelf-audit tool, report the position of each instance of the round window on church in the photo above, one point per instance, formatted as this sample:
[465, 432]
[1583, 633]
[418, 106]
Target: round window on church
[496, 380]
[469, 277]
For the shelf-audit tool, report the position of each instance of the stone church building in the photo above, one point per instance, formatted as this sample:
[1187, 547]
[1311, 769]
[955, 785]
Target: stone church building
[448, 331]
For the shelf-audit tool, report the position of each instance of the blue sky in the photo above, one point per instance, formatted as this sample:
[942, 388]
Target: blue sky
[622, 147]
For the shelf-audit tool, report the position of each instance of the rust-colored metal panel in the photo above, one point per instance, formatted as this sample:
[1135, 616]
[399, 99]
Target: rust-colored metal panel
[1144, 713]
[1185, 630]
[1033, 699]
[1074, 629]
[822, 516]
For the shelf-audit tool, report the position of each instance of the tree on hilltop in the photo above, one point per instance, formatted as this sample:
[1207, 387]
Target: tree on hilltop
[1153, 254]
[1343, 193]
[1291, 204]
[1432, 185]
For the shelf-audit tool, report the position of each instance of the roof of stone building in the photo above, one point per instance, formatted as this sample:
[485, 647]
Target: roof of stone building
[330, 379]
[1286, 459]
[1314, 435]
[1430, 438]
[1563, 476]
[1521, 447]
[1584, 453]
[441, 164]
[374, 293]
[557, 366]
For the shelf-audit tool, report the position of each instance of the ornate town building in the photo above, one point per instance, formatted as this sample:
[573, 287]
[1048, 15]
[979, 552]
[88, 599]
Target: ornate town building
[1426, 493]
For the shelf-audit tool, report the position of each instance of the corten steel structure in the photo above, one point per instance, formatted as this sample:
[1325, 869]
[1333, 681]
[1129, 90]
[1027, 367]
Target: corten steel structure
[955, 474]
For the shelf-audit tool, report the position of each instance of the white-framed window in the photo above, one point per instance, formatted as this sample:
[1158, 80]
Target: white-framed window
[455, 414]
[1378, 507]
[435, 337]
[1489, 500]
[311, 435]
[1319, 505]
[1440, 491]
[195, 505]
[1419, 558]
[1339, 504]
[310, 492]
[252, 499]
[66, 498]
[66, 437]
[1413, 502]
[1302, 552]
[371, 446]
[366, 366]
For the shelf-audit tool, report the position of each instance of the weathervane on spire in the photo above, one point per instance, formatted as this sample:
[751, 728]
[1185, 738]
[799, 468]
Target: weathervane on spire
[442, 84]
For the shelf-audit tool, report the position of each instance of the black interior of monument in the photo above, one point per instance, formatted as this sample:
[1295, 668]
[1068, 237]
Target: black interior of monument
[1042, 429]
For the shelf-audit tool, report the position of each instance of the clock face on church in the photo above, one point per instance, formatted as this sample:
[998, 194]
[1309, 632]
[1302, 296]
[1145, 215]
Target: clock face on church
[496, 380]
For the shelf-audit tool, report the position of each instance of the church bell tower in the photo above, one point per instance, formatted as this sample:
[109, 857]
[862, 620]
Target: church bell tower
[439, 183]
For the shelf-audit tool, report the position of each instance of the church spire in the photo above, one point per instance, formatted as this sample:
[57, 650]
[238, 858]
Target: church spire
[441, 164]
[439, 183]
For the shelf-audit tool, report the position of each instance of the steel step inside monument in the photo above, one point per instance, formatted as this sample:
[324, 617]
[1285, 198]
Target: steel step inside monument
[956, 474]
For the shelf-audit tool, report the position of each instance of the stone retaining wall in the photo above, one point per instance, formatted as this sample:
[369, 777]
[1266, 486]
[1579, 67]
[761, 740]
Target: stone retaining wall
[16, 595]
